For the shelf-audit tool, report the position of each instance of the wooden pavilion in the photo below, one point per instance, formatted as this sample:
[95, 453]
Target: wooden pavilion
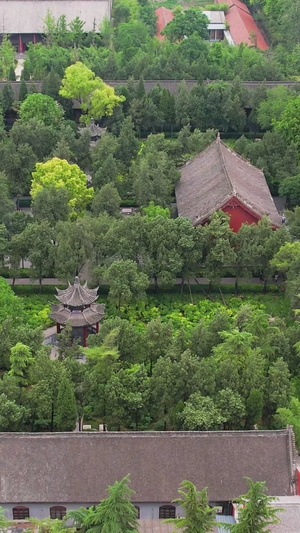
[77, 308]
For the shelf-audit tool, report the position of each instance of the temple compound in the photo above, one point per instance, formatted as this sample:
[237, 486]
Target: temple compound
[24, 20]
[77, 308]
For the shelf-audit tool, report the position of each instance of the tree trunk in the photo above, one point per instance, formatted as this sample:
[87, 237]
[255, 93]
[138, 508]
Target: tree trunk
[182, 286]
[236, 286]
[191, 295]
[265, 285]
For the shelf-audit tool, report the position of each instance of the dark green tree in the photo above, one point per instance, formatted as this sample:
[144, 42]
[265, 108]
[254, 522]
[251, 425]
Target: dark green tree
[66, 412]
[7, 97]
[106, 200]
[23, 91]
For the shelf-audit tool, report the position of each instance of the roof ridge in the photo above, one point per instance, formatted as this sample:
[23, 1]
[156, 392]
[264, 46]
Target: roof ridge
[220, 144]
[241, 8]
[198, 154]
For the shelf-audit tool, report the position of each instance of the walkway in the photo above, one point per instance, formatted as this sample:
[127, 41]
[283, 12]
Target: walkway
[194, 281]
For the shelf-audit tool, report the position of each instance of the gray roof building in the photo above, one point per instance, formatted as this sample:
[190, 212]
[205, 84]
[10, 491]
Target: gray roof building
[78, 467]
[218, 176]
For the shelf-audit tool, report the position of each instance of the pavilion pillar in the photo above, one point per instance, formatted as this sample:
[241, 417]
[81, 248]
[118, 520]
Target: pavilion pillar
[58, 329]
[97, 327]
[84, 336]
[34, 38]
[20, 44]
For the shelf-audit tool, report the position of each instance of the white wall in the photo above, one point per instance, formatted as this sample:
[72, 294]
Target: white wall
[27, 16]
[148, 511]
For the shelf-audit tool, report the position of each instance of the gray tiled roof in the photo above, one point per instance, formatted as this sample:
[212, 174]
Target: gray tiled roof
[77, 294]
[89, 316]
[216, 175]
[78, 467]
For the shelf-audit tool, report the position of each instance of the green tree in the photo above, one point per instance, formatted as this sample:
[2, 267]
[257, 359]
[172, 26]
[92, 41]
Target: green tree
[37, 241]
[128, 144]
[289, 123]
[60, 174]
[125, 282]
[186, 24]
[201, 414]
[115, 514]
[255, 510]
[51, 205]
[290, 188]
[74, 248]
[232, 407]
[254, 408]
[6, 204]
[20, 361]
[43, 108]
[4, 523]
[107, 200]
[23, 91]
[95, 97]
[7, 97]
[66, 412]
[12, 75]
[199, 517]
[12, 415]
[7, 57]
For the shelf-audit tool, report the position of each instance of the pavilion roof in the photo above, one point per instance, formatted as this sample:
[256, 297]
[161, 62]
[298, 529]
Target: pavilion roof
[76, 318]
[77, 295]
[214, 176]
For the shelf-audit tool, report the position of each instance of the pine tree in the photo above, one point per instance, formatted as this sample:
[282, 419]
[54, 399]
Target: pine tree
[23, 91]
[140, 89]
[7, 97]
[256, 511]
[128, 143]
[25, 74]
[66, 413]
[199, 516]
[11, 74]
[116, 514]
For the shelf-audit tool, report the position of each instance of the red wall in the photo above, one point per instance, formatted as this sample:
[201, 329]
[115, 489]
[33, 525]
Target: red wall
[238, 214]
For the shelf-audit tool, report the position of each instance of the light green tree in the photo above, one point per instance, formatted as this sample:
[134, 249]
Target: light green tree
[4, 523]
[59, 173]
[199, 517]
[7, 57]
[256, 512]
[96, 98]
[43, 108]
[20, 362]
[115, 514]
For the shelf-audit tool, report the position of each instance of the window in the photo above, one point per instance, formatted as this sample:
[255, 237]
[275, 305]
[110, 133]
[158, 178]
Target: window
[20, 513]
[167, 511]
[138, 511]
[57, 512]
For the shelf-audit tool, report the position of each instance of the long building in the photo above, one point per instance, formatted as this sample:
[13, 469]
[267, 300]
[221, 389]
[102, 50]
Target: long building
[24, 20]
[47, 474]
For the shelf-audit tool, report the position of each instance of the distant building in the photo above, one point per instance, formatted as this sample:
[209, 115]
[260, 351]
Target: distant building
[219, 178]
[24, 20]
[77, 308]
[242, 26]
[164, 16]
[216, 26]
[47, 474]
